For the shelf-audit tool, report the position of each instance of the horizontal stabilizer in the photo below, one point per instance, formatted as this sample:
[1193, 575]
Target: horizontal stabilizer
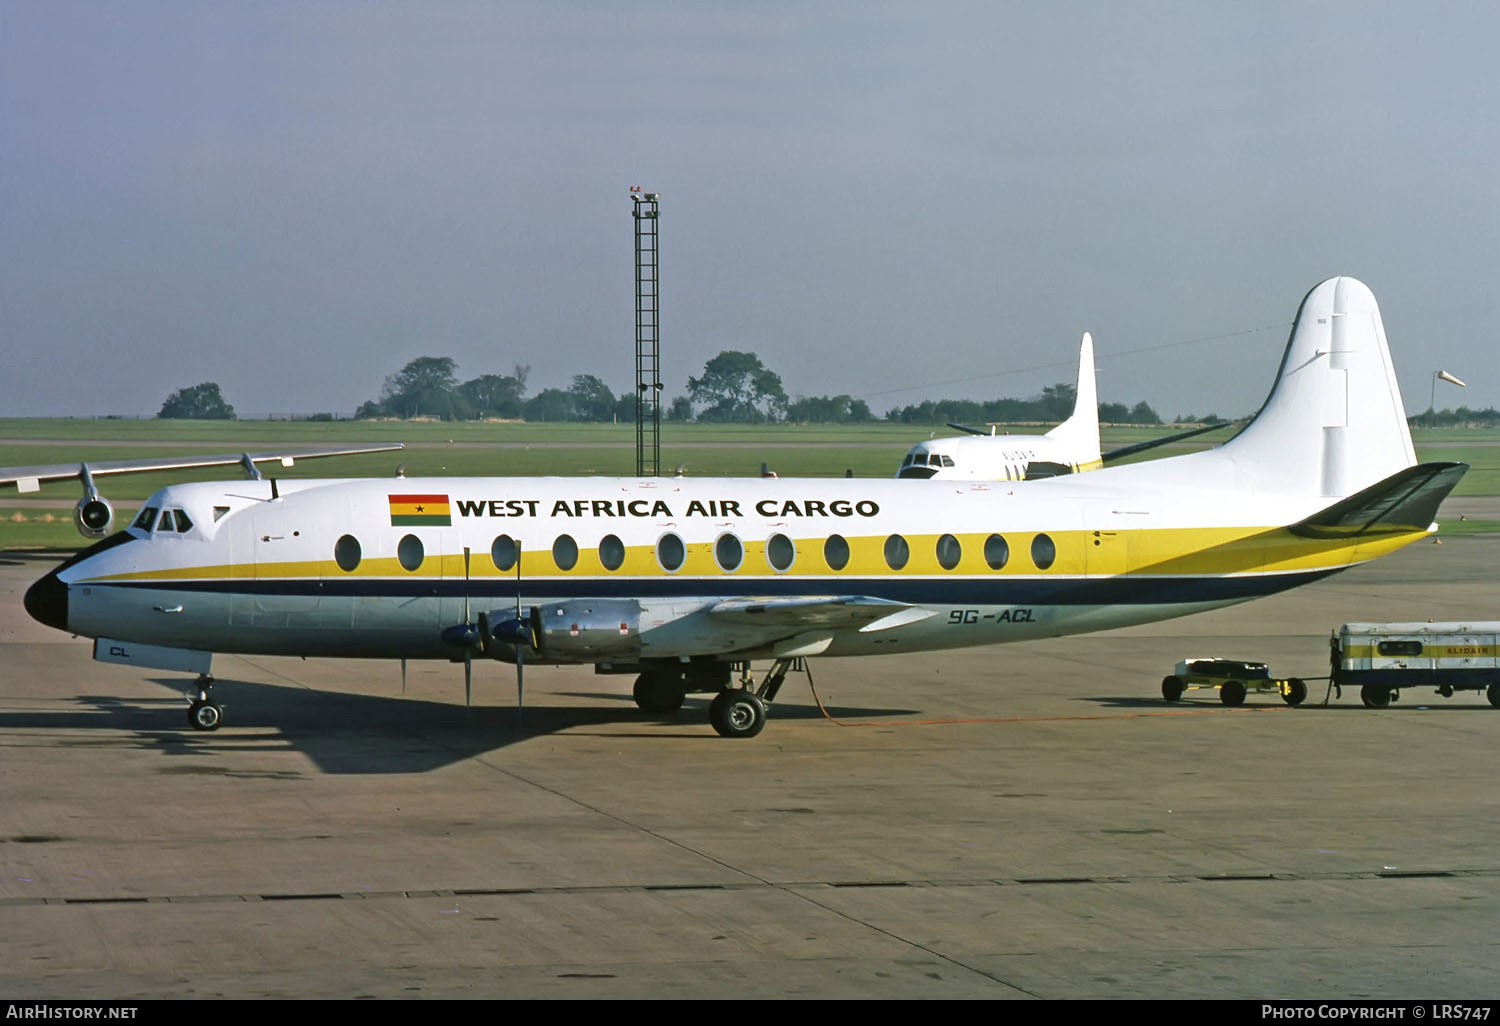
[1406, 501]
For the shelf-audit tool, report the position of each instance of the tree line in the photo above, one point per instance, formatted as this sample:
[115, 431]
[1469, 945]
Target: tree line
[734, 388]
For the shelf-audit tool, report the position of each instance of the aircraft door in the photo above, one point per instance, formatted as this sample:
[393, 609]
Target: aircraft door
[286, 587]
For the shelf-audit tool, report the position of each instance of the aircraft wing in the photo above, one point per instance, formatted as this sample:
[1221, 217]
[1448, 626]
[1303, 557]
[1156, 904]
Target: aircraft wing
[826, 612]
[29, 479]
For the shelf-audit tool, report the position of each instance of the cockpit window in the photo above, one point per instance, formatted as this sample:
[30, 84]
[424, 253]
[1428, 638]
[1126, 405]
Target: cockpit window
[947, 461]
[183, 523]
[146, 518]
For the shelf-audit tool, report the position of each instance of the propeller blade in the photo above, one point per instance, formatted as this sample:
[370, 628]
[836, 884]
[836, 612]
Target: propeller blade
[468, 680]
[520, 685]
[486, 632]
[466, 584]
[521, 652]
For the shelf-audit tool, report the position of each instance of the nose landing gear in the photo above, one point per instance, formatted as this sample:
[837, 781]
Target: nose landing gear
[203, 712]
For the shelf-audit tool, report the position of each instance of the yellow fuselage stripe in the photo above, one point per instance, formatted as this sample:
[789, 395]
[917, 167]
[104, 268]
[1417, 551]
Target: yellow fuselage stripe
[1177, 552]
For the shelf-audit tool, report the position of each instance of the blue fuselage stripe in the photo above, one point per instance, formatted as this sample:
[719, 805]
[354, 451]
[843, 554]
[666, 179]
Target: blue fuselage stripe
[1061, 591]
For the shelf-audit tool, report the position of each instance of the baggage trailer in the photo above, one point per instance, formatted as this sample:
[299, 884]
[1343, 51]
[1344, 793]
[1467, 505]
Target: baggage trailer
[1233, 678]
[1382, 658]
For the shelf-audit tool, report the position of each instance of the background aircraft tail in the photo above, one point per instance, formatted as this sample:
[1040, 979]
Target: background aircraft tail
[1334, 423]
[1080, 432]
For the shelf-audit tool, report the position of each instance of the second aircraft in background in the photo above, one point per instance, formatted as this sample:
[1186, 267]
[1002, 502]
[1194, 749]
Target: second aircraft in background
[1069, 448]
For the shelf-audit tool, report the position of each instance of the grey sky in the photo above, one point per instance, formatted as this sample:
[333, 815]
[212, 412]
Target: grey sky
[898, 201]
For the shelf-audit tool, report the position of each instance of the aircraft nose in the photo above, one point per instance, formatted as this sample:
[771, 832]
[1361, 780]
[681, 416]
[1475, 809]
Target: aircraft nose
[47, 601]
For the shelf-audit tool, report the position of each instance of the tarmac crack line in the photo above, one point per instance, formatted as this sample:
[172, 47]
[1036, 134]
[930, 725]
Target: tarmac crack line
[794, 888]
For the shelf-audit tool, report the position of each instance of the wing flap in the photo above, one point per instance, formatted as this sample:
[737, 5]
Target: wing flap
[835, 612]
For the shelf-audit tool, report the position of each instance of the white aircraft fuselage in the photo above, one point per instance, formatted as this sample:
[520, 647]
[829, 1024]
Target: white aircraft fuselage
[994, 564]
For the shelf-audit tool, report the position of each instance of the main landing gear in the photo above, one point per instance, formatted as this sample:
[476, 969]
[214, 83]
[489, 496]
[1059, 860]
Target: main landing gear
[659, 691]
[203, 712]
[739, 708]
[741, 712]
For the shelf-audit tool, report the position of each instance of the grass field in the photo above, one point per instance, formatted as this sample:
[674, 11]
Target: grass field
[44, 519]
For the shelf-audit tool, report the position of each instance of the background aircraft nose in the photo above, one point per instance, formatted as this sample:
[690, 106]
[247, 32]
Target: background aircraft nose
[47, 602]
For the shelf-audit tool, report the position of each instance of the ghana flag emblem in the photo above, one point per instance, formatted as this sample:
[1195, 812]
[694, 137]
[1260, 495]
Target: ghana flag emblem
[420, 511]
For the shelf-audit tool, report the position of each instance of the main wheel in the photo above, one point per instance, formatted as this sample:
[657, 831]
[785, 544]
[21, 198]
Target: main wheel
[1232, 692]
[1374, 697]
[1172, 688]
[1296, 691]
[1493, 694]
[205, 715]
[658, 693]
[737, 713]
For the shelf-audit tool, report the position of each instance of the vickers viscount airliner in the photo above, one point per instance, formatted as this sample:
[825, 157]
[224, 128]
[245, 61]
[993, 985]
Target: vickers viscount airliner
[1070, 448]
[683, 581]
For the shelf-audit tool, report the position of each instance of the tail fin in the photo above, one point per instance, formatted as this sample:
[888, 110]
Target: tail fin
[1080, 432]
[1334, 423]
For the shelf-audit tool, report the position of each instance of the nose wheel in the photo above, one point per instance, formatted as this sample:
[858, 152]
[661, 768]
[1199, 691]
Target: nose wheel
[205, 715]
[203, 712]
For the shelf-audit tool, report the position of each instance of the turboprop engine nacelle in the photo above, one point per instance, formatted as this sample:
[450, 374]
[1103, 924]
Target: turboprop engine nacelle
[588, 630]
[93, 516]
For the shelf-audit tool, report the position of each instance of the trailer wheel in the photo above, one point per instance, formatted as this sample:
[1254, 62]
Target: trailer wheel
[1374, 697]
[1172, 688]
[1232, 692]
[1296, 691]
[1493, 694]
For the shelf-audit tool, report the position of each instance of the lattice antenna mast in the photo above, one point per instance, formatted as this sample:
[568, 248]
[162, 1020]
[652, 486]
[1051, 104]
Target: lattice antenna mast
[647, 336]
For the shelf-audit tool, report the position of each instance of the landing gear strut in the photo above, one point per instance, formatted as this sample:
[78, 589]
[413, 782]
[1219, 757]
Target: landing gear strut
[741, 712]
[203, 712]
